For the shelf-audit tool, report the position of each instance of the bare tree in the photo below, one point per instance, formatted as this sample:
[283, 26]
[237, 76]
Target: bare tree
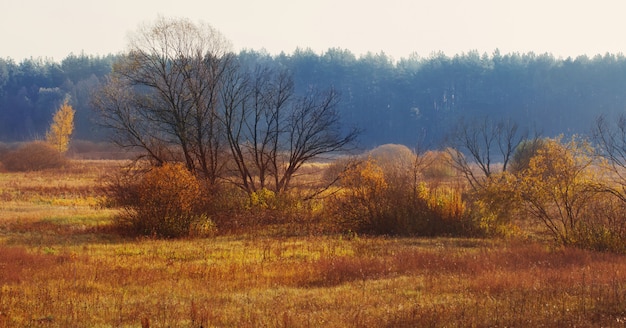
[479, 149]
[273, 131]
[610, 140]
[162, 96]
[180, 95]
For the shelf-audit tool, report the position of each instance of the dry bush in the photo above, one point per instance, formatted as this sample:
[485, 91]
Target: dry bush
[290, 212]
[436, 165]
[604, 227]
[394, 160]
[393, 201]
[495, 206]
[558, 188]
[558, 185]
[33, 156]
[164, 203]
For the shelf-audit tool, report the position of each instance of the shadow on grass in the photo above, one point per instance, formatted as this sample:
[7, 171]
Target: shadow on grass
[48, 233]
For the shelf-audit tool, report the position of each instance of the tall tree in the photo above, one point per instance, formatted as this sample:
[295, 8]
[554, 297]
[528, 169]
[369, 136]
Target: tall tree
[164, 93]
[180, 95]
[272, 131]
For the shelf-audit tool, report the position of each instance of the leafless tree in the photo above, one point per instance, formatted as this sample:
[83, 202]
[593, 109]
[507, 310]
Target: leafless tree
[610, 140]
[162, 96]
[272, 131]
[179, 94]
[480, 148]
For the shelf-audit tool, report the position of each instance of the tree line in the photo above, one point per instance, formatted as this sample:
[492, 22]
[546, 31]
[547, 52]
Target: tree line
[32, 90]
[392, 101]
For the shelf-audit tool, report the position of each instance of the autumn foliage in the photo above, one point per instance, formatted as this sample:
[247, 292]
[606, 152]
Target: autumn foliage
[563, 188]
[389, 195]
[166, 204]
[61, 128]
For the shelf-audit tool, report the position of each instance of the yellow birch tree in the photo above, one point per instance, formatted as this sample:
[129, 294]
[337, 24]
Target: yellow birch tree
[61, 128]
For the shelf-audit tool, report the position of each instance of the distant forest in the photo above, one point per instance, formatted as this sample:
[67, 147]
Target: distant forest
[401, 101]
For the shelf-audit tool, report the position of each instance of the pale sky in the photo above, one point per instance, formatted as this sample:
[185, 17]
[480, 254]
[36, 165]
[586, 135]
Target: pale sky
[54, 29]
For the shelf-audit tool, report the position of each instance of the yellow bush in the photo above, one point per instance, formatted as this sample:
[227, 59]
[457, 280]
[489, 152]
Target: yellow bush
[263, 198]
[447, 202]
[370, 203]
[495, 205]
[169, 189]
[557, 187]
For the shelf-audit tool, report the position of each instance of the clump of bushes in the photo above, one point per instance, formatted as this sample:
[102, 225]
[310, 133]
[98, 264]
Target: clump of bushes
[33, 156]
[164, 202]
[388, 194]
[393, 191]
[562, 187]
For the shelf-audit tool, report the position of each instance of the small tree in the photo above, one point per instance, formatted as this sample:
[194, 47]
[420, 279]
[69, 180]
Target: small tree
[61, 128]
[558, 187]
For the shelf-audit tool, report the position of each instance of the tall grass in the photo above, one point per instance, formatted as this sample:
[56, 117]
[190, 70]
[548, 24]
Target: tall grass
[296, 282]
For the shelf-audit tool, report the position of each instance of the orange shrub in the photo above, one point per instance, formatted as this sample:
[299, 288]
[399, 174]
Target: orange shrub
[167, 202]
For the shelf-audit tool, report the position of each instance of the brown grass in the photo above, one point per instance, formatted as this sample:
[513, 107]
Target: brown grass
[277, 282]
[63, 266]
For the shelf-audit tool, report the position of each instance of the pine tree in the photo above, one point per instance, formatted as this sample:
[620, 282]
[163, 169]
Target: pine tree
[61, 128]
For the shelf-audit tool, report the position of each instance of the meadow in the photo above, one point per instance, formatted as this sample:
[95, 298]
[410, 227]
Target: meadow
[64, 264]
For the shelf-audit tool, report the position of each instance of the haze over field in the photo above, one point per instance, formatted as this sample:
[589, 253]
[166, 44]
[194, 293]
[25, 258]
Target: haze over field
[39, 28]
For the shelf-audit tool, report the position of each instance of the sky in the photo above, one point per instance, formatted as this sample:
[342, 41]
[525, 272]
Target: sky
[399, 28]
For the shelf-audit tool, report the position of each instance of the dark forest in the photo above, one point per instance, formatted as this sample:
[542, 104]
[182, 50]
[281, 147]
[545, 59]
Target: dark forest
[392, 101]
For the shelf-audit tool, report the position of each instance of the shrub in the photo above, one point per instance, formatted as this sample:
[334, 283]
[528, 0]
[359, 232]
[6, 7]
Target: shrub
[394, 160]
[362, 206]
[604, 227]
[526, 150]
[263, 199]
[436, 165]
[165, 203]
[33, 156]
[400, 205]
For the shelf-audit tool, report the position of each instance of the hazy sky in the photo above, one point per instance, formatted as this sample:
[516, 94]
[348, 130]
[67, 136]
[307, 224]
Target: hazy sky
[53, 29]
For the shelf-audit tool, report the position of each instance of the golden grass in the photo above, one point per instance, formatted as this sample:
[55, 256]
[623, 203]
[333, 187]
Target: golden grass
[312, 281]
[62, 266]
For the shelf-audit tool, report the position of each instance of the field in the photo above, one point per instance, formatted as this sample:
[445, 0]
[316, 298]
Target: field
[62, 264]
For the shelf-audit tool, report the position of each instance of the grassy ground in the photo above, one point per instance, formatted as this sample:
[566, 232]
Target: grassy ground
[62, 266]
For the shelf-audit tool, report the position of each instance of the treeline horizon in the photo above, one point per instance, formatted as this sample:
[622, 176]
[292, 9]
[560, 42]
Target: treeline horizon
[405, 101]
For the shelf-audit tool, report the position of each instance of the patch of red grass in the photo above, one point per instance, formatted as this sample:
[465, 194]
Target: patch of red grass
[16, 264]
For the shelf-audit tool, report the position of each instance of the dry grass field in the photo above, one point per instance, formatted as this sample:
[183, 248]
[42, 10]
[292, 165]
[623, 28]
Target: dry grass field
[63, 265]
